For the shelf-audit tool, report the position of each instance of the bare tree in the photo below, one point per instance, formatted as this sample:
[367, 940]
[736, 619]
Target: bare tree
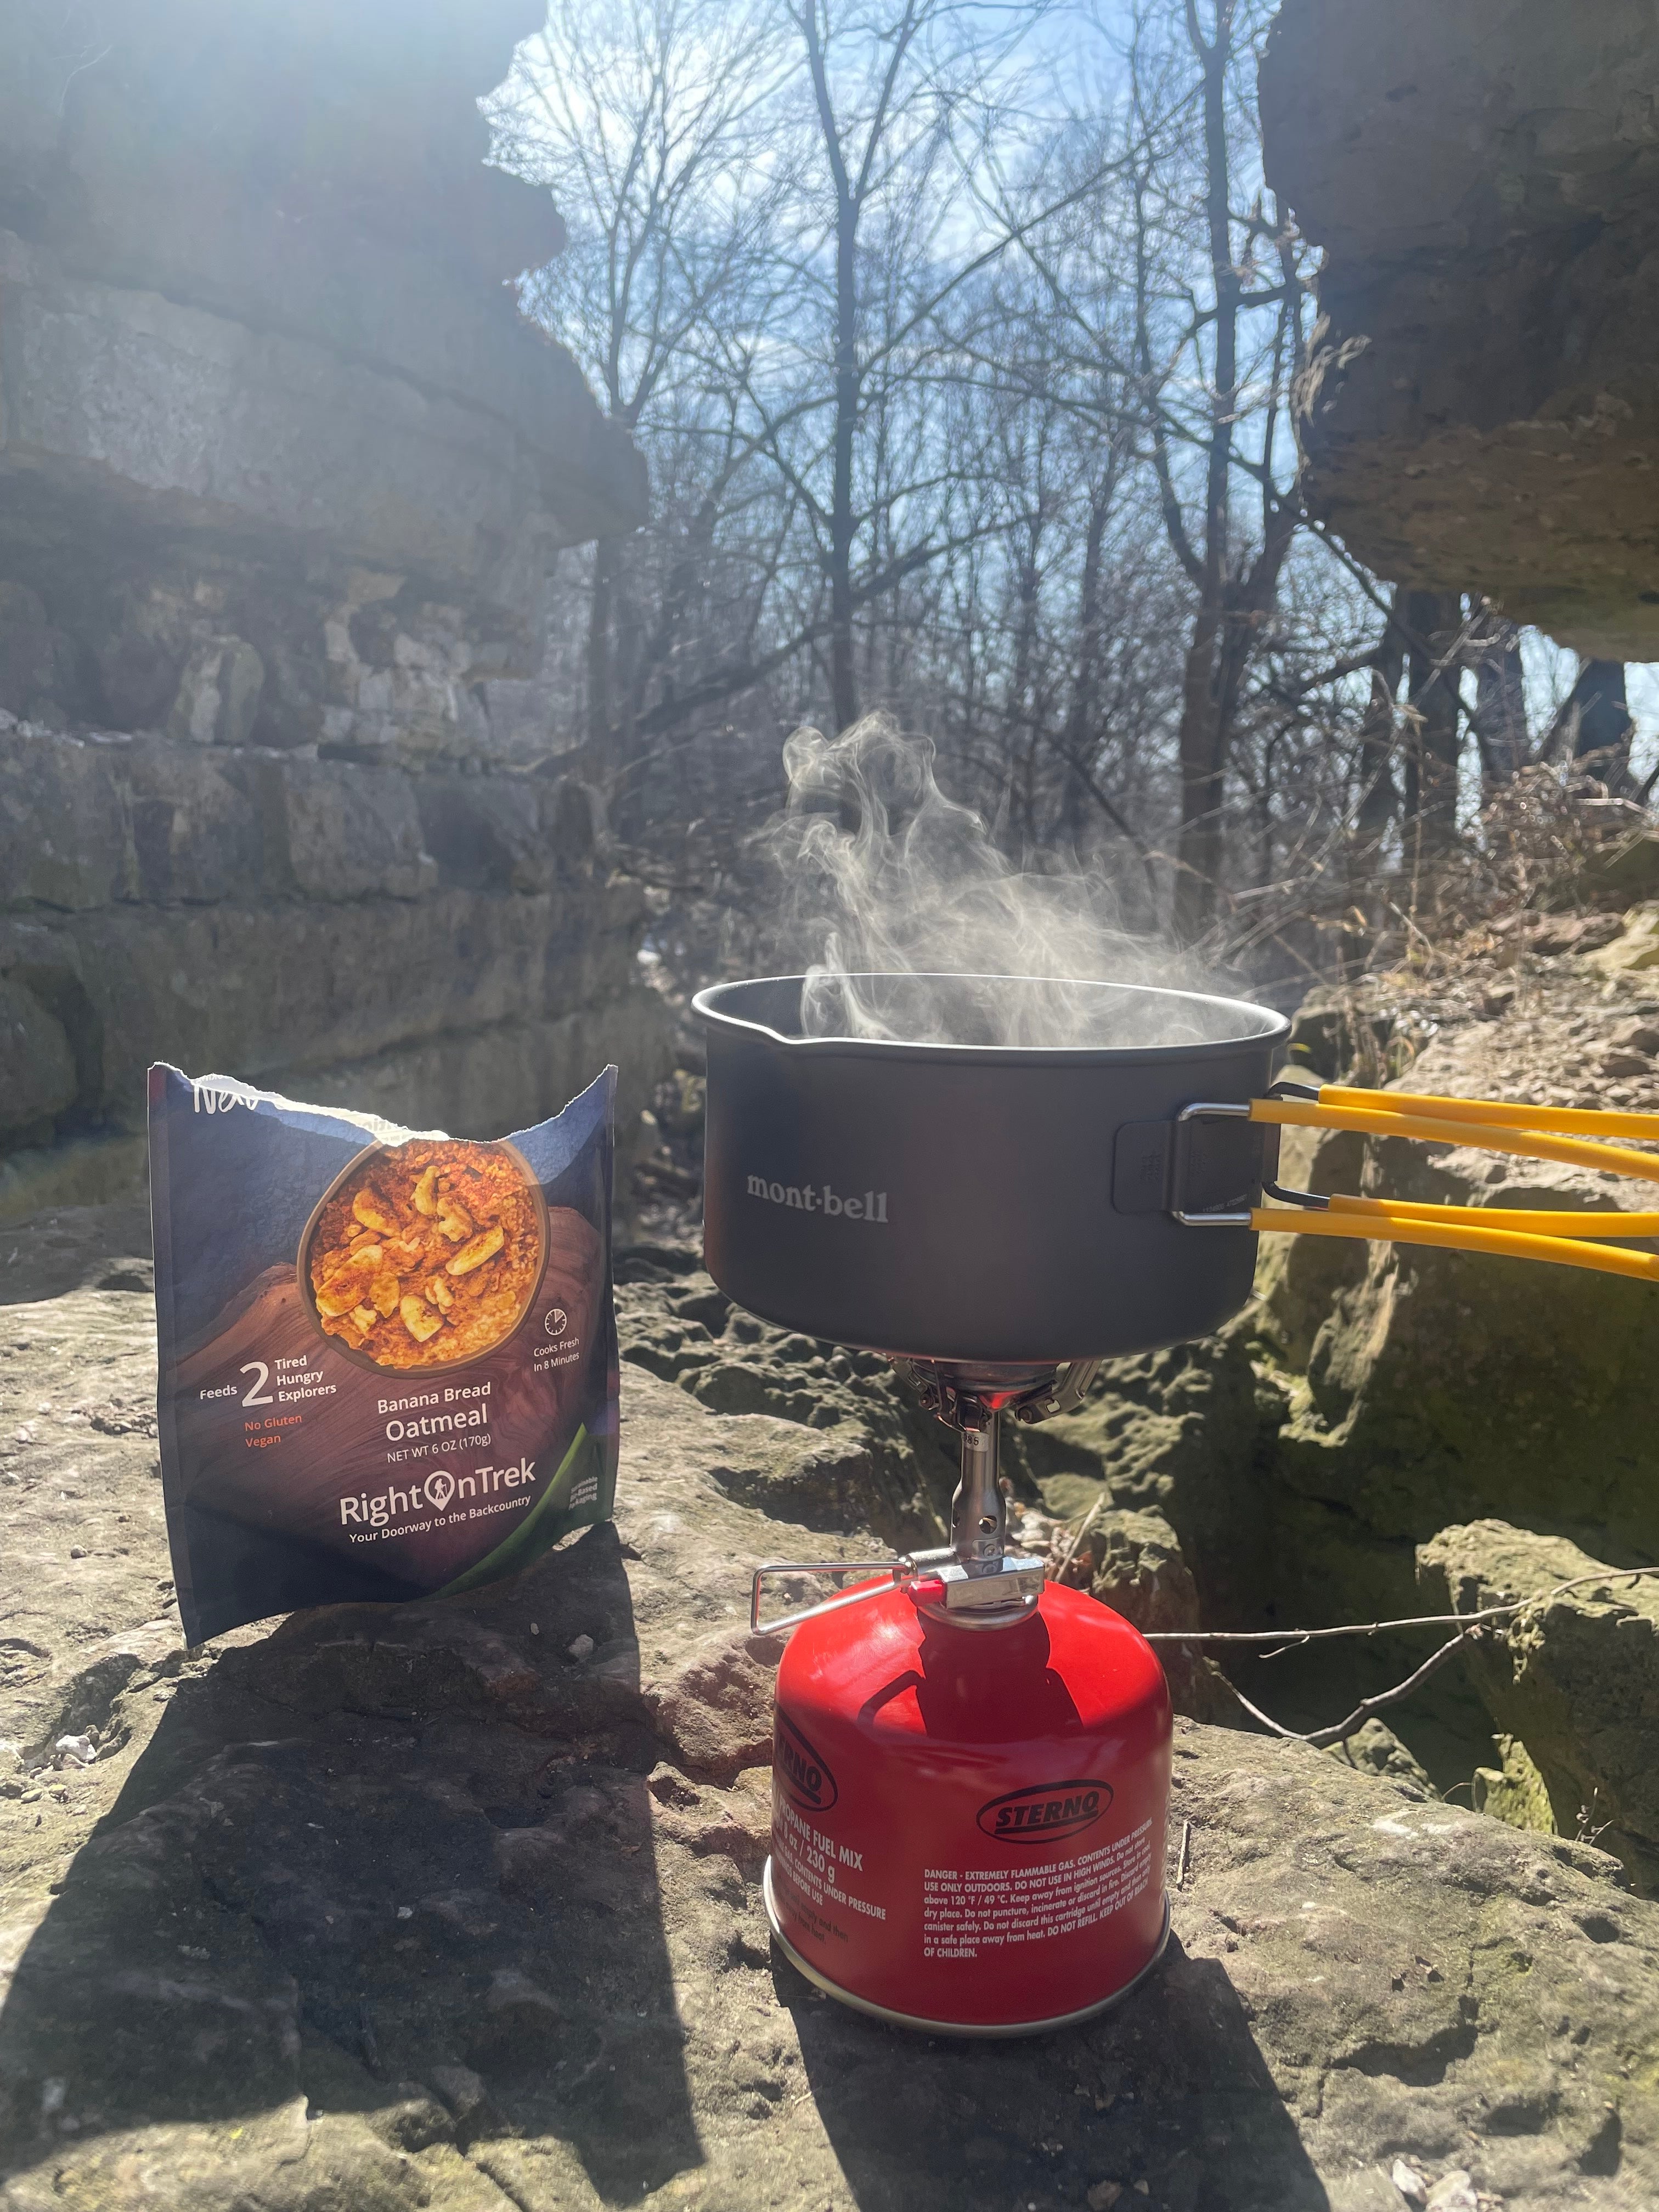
[902, 98]
[1594, 725]
[1378, 800]
[1433, 622]
[650, 121]
[1499, 719]
[1211, 344]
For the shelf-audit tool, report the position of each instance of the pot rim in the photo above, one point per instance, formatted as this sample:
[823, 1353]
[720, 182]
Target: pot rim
[1268, 1028]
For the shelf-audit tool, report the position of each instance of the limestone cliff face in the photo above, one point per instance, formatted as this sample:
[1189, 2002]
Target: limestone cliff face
[1482, 408]
[450, 951]
[263, 392]
[284, 474]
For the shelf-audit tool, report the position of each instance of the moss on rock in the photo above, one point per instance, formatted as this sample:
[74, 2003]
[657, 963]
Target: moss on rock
[1573, 1681]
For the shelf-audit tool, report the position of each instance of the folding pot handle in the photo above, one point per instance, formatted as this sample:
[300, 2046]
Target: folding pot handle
[1206, 1168]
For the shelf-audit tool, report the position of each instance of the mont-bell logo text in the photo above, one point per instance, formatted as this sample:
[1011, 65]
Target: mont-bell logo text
[802, 1770]
[1045, 1812]
[821, 1198]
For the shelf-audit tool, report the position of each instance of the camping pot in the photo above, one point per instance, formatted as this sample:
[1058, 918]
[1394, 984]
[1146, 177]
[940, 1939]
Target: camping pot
[982, 1201]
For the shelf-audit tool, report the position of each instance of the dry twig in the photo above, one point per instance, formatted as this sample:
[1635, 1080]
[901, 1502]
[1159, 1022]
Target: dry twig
[1341, 1730]
[1083, 1527]
[1470, 1625]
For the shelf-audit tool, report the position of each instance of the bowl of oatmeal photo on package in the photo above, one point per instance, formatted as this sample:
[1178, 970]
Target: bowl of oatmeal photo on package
[426, 1254]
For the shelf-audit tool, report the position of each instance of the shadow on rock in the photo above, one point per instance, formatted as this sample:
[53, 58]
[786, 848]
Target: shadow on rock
[396, 1862]
[1170, 2091]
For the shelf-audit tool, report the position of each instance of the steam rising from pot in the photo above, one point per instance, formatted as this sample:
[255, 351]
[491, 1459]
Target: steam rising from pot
[910, 922]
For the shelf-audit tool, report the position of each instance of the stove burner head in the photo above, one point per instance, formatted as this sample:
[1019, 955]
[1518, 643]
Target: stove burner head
[964, 1394]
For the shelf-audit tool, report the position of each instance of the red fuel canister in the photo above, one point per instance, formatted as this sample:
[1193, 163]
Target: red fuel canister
[968, 1820]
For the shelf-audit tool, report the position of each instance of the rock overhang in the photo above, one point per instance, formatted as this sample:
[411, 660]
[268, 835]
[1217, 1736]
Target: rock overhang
[1480, 409]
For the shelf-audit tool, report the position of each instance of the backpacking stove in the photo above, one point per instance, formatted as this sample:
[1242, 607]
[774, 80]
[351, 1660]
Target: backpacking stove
[971, 1768]
[971, 1763]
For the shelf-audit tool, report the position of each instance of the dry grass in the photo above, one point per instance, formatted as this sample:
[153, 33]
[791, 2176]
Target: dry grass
[1535, 871]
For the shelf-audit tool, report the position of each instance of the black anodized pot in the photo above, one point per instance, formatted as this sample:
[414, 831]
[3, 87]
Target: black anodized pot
[984, 1202]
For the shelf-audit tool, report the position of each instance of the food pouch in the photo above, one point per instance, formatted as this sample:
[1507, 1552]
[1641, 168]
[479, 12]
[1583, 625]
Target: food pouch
[388, 1361]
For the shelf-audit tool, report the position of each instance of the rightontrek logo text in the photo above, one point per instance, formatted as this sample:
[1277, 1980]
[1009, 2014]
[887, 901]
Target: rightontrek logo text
[437, 1494]
[821, 1198]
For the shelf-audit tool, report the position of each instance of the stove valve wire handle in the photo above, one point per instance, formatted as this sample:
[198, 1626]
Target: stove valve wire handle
[908, 1573]
[1572, 1135]
[992, 1592]
[975, 1581]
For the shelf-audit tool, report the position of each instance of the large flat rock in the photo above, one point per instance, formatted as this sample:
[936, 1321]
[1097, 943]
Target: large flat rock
[387, 1907]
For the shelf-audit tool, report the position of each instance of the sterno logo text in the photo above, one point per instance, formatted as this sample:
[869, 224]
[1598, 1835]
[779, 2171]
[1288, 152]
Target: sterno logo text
[804, 1773]
[1045, 1811]
[822, 1197]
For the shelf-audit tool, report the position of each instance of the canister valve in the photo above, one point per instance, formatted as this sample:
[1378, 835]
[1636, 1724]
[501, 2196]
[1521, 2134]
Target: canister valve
[975, 1581]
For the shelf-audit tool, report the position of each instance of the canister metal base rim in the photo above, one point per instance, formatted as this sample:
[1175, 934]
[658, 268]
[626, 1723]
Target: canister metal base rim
[1009, 2029]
